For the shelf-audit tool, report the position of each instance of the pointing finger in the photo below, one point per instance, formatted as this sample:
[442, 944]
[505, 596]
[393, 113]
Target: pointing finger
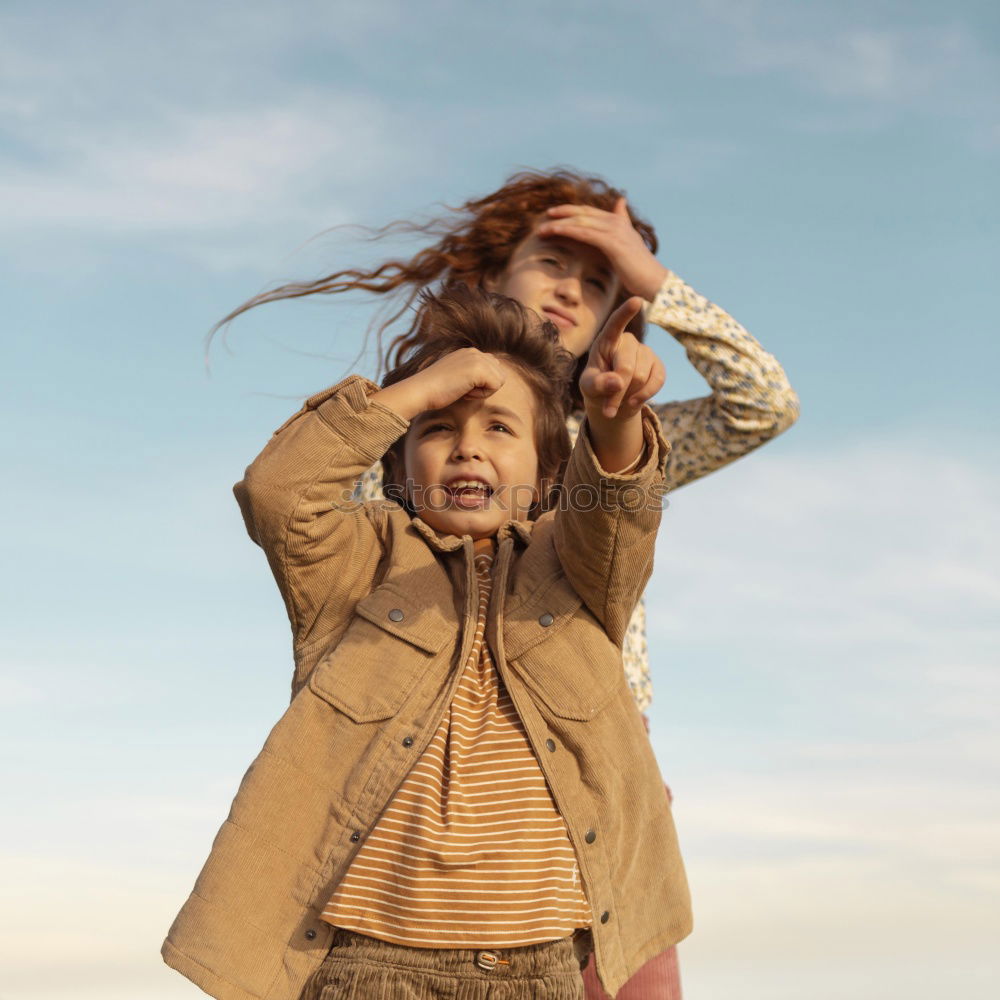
[623, 365]
[615, 325]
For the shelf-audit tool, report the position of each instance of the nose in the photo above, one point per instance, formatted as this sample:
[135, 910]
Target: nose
[568, 289]
[468, 445]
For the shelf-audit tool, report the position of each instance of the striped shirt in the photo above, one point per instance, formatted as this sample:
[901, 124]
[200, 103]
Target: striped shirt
[471, 850]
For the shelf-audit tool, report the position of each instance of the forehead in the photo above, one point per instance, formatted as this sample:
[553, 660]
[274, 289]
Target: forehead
[589, 256]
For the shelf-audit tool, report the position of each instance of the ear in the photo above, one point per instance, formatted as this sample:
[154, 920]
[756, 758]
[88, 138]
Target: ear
[394, 477]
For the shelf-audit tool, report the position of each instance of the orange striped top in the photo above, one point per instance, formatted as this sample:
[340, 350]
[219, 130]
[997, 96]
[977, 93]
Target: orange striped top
[471, 850]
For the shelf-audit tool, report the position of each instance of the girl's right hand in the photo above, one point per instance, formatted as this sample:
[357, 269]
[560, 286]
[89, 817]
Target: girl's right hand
[465, 372]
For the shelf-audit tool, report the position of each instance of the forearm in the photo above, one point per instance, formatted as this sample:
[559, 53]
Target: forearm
[314, 459]
[606, 525]
[296, 499]
[617, 442]
[749, 385]
[751, 400]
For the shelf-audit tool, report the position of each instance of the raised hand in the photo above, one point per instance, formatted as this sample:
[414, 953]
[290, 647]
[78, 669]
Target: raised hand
[465, 372]
[621, 373]
[614, 235]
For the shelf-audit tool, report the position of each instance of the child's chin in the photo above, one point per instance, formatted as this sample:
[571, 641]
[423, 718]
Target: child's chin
[479, 524]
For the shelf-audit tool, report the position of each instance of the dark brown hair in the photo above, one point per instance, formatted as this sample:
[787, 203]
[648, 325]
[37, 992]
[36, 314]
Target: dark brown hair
[460, 316]
[474, 241]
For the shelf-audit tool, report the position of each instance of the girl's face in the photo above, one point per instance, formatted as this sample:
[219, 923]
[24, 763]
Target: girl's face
[472, 465]
[567, 282]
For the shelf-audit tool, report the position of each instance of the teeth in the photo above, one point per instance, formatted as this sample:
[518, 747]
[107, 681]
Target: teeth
[468, 484]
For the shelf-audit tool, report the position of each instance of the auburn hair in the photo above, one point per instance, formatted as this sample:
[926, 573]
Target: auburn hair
[474, 240]
[461, 316]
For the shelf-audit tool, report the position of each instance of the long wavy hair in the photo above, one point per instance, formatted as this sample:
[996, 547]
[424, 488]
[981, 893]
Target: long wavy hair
[474, 240]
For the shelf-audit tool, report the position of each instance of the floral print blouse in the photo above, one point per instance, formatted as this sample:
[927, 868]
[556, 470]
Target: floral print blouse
[751, 402]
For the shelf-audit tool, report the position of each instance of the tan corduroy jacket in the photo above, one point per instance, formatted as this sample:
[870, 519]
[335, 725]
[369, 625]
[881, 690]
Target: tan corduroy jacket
[382, 612]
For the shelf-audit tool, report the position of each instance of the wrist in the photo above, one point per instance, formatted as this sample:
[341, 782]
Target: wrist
[615, 440]
[398, 398]
[651, 280]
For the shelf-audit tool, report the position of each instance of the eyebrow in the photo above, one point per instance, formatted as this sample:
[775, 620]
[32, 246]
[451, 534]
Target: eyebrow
[491, 409]
[502, 411]
[559, 243]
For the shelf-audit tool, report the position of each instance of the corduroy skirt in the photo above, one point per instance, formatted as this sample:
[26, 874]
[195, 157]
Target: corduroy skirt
[365, 968]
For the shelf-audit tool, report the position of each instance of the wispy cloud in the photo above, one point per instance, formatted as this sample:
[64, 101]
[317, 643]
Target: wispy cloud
[932, 61]
[137, 122]
[207, 169]
[864, 543]
[839, 781]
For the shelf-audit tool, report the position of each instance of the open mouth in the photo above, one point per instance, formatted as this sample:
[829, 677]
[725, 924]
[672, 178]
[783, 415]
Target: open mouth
[468, 494]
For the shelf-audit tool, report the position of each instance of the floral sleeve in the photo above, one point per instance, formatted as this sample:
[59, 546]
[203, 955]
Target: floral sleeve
[751, 400]
[369, 486]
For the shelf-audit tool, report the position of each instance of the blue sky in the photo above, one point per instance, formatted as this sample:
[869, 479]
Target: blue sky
[823, 614]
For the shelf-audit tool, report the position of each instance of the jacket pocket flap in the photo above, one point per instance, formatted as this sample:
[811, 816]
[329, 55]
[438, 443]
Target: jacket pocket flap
[398, 613]
[381, 656]
[560, 651]
[540, 616]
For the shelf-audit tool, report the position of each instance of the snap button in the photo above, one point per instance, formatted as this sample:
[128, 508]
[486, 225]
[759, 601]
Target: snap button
[407, 741]
[310, 934]
[550, 744]
[605, 917]
[545, 620]
[590, 836]
[487, 960]
[396, 615]
[355, 837]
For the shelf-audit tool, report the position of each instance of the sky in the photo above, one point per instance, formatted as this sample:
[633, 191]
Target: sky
[823, 614]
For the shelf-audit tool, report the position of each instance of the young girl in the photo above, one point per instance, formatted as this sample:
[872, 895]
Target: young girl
[460, 800]
[569, 247]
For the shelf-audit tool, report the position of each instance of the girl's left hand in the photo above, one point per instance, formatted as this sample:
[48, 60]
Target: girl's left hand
[614, 235]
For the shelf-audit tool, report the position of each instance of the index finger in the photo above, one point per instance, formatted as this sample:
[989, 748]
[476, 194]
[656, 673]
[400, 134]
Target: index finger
[615, 325]
[558, 211]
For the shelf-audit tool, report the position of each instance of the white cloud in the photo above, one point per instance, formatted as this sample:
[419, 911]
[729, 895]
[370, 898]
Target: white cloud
[87, 929]
[135, 122]
[856, 53]
[871, 541]
[15, 692]
[206, 169]
[836, 795]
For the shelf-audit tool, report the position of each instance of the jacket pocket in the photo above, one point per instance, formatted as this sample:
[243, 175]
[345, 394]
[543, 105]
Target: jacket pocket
[385, 650]
[561, 653]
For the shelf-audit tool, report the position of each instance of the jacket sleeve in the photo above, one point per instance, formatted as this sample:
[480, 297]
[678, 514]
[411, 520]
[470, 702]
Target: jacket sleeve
[323, 544]
[606, 524]
[751, 400]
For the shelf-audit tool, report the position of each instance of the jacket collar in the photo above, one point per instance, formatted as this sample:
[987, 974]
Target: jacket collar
[518, 530]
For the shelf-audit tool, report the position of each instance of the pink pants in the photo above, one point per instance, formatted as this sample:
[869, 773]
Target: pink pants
[658, 979]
